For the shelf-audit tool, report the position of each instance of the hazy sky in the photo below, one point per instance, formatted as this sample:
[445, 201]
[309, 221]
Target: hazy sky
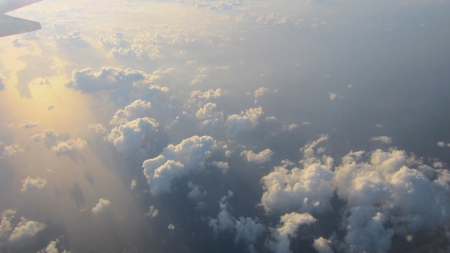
[226, 126]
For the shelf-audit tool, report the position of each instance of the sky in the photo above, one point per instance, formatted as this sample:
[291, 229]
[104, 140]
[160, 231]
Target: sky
[226, 126]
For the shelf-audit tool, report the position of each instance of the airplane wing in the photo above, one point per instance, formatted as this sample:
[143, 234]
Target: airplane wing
[12, 25]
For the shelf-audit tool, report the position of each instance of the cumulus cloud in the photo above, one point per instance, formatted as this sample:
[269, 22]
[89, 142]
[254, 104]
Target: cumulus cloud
[332, 95]
[128, 138]
[5, 223]
[281, 236]
[171, 227]
[48, 135]
[290, 127]
[137, 109]
[177, 161]
[68, 147]
[196, 192]
[152, 212]
[33, 183]
[245, 121]
[221, 165]
[9, 150]
[2, 82]
[98, 128]
[366, 231]
[384, 139]
[121, 81]
[261, 92]
[322, 245]
[102, 205]
[27, 124]
[73, 40]
[52, 248]
[260, 158]
[25, 229]
[247, 229]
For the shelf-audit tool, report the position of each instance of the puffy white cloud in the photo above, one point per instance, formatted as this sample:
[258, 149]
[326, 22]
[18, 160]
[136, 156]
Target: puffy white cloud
[196, 192]
[73, 40]
[308, 151]
[2, 82]
[33, 183]
[102, 205]
[177, 161]
[305, 190]
[5, 225]
[133, 184]
[442, 144]
[261, 91]
[245, 121]
[260, 158]
[25, 229]
[290, 127]
[205, 111]
[332, 95]
[121, 81]
[152, 212]
[7, 151]
[247, 229]
[366, 231]
[52, 248]
[27, 124]
[69, 146]
[322, 245]
[270, 118]
[128, 138]
[98, 128]
[137, 109]
[221, 165]
[280, 237]
[384, 139]
[171, 227]
[48, 135]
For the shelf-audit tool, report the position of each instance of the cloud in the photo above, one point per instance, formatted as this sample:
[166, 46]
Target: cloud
[52, 248]
[261, 92]
[29, 184]
[332, 95]
[384, 139]
[133, 184]
[68, 147]
[25, 229]
[2, 82]
[8, 151]
[171, 227]
[27, 124]
[102, 205]
[121, 81]
[5, 223]
[322, 245]
[221, 165]
[177, 161]
[260, 158]
[152, 212]
[48, 135]
[98, 128]
[299, 189]
[128, 138]
[366, 231]
[247, 229]
[137, 109]
[281, 236]
[196, 192]
[245, 121]
[72, 41]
